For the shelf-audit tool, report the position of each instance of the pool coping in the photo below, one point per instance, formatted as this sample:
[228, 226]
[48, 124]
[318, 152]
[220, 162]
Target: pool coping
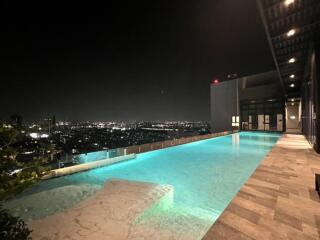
[87, 166]
[278, 201]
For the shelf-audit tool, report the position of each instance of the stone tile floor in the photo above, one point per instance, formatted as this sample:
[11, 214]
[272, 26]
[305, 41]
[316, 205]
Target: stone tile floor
[278, 201]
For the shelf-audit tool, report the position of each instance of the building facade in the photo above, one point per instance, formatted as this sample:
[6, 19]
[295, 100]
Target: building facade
[287, 99]
[248, 103]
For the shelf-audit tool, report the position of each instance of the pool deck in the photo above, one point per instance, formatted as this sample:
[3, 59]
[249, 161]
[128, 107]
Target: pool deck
[278, 201]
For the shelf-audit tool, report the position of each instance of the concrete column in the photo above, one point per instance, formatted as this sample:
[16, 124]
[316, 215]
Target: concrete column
[317, 97]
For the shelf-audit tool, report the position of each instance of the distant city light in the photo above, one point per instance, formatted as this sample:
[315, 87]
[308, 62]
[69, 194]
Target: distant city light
[28, 152]
[292, 85]
[34, 135]
[15, 172]
[291, 33]
[292, 60]
[288, 2]
[44, 135]
[292, 76]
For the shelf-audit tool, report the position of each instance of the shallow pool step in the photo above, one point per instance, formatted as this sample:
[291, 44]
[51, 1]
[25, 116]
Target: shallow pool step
[45, 203]
[175, 222]
[109, 214]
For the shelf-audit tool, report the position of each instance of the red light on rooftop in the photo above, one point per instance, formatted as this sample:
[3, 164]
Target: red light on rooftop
[215, 81]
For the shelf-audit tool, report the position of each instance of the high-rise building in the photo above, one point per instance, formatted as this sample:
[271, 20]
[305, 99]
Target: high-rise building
[49, 124]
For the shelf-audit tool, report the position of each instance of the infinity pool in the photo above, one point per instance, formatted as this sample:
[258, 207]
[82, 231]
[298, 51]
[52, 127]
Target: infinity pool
[206, 175]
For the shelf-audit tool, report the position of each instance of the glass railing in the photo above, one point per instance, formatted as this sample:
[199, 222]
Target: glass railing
[70, 160]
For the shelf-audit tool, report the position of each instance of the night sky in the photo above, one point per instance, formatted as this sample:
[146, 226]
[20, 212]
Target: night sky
[139, 60]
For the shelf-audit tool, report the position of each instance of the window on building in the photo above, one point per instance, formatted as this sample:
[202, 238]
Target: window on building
[235, 121]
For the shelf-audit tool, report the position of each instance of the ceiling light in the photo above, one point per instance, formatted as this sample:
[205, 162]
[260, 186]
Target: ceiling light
[292, 85]
[292, 104]
[292, 99]
[288, 2]
[292, 60]
[292, 76]
[291, 33]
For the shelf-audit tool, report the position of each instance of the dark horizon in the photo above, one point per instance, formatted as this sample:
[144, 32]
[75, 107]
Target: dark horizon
[143, 61]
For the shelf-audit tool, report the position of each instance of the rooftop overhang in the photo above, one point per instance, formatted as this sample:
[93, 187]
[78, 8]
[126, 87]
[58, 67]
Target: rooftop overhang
[292, 27]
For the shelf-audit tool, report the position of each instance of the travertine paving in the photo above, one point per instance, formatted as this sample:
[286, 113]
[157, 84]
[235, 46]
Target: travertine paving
[278, 201]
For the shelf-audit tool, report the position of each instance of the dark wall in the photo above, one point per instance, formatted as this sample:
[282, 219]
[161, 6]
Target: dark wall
[311, 102]
[223, 105]
[260, 86]
[317, 96]
[261, 92]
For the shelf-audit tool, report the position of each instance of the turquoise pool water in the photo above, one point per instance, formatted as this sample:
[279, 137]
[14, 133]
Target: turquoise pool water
[205, 175]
